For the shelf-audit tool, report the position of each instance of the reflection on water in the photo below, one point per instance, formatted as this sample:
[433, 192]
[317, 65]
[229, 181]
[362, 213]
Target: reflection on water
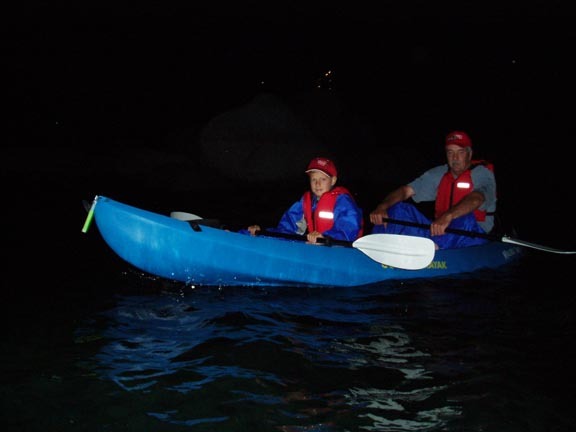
[483, 352]
[418, 356]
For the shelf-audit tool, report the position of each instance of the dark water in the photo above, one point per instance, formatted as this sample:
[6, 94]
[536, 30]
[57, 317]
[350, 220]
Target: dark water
[89, 344]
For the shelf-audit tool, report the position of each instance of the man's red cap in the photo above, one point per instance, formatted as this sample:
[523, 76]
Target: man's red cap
[458, 138]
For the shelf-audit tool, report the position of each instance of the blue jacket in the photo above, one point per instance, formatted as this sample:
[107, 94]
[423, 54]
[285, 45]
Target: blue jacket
[348, 219]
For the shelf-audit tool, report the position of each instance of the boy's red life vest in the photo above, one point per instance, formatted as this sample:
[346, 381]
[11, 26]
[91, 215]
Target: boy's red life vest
[323, 217]
[451, 190]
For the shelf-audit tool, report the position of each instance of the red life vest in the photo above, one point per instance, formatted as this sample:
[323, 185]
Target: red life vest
[323, 217]
[451, 190]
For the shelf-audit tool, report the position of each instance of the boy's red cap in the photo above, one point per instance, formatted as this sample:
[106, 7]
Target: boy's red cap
[458, 138]
[323, 165]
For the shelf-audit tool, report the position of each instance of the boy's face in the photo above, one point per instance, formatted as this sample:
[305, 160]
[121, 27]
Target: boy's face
[320, 183]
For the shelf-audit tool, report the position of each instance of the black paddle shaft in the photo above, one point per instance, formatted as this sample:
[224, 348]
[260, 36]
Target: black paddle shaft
[448, 230]
[504, 239]
[328, 241]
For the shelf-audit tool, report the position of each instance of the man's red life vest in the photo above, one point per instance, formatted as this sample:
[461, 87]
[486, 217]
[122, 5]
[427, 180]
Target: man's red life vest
[323, 217]
[451, 190]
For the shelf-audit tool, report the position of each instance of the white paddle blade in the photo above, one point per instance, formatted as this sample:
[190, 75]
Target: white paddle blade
[396, 250]
[183, 216]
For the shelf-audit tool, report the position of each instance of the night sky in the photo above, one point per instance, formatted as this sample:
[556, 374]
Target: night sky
[151, 67]
[87, 78]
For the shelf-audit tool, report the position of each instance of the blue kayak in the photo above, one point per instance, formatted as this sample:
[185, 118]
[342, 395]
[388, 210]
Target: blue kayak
[197, 254]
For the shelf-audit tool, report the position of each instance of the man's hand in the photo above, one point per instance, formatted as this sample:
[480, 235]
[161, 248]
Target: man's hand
[438, 227]
[378, 215]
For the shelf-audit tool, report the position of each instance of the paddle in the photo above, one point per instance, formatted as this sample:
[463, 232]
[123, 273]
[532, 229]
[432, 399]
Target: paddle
[394, 250]
[503, 239]
[183, 216]
[400, 251]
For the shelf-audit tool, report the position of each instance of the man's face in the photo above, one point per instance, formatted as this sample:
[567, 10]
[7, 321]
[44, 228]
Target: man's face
[458, 158]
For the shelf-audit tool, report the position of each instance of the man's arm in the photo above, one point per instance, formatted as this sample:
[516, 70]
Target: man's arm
[381, 211]
[468, 204]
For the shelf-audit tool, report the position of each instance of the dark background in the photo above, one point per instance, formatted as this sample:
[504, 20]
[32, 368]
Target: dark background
[88, 85]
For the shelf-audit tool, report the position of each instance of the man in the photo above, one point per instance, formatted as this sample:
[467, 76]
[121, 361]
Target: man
[464, 192]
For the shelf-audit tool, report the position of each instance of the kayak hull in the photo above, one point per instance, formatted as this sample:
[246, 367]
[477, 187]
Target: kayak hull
[201, 255]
